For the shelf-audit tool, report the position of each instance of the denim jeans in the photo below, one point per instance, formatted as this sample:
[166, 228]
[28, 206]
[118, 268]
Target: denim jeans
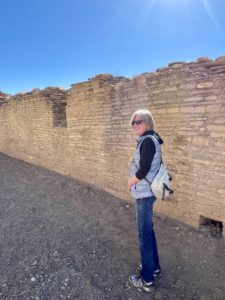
[146, 236]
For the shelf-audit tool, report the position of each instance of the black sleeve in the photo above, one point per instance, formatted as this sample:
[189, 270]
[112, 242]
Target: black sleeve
[147, 152]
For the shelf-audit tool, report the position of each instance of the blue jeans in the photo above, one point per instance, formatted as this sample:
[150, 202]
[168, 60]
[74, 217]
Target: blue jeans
[147, 239]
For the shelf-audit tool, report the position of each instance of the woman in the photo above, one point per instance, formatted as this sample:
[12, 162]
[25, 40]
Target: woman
[145, 164]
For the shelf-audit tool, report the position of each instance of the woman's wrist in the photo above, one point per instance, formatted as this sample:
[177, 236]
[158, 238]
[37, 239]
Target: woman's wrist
[133, 180]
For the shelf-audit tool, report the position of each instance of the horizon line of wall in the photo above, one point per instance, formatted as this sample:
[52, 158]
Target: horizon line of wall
[84, 132]
[7, 96]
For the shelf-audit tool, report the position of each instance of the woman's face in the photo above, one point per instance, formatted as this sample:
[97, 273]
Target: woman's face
[138, 125]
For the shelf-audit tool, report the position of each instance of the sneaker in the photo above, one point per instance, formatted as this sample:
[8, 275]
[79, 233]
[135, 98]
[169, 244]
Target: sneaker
[140, 284]
[156, 273]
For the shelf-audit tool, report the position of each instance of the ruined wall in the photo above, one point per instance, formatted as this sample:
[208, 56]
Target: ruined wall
[33, 127]
[90, 139]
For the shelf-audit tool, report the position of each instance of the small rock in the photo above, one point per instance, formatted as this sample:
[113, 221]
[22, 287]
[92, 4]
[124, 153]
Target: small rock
[127, 286]
[33, 279]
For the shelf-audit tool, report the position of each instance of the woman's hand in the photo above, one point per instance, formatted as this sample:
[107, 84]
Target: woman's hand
[133, 180]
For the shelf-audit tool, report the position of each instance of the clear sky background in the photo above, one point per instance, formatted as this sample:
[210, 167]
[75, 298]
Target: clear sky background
[61, 42]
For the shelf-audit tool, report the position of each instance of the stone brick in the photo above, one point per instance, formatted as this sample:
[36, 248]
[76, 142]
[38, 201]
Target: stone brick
[187, 109]
[188, 86]
[200, 109]
[196, 123]
[211, 97]
[204, 85]
[200, 141]
[220, 58]
[221, 191]
[170, 88]
[173, 110]
[194, 99]
[216, 128]
[214, 108]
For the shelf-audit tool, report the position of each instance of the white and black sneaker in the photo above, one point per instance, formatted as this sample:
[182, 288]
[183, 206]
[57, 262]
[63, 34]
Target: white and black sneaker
[156, 273]
[140, 284]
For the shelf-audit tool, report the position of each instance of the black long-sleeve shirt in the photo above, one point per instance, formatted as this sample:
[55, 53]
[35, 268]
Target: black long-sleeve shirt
[147, 152]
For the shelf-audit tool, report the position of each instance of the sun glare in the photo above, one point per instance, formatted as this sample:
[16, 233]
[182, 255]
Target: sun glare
[209, 11]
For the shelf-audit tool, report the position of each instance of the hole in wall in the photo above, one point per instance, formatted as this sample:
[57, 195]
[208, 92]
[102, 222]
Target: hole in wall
[213, 227]
[59, 115]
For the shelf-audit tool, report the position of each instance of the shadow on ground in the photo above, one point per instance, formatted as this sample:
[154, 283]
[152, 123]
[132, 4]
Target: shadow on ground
[62, 239]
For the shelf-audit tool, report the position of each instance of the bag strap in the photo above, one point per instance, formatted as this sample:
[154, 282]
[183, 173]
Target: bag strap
[165, 187]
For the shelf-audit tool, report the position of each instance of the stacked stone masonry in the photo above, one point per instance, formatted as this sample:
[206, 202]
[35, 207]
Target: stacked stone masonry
[84, 132]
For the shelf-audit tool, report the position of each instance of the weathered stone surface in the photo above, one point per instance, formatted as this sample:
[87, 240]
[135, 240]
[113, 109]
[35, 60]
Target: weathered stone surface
[221, 58]
[84, 132]
[203, 59]
[204, 85]
[176, 64]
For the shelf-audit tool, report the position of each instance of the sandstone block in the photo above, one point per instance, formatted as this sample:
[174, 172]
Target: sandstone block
[200, 141]
[211, 97]
[204, 85]
[214, 108]
[200, 109]
[170, 89]
[173, 110]
[216, 128]
[187, 109]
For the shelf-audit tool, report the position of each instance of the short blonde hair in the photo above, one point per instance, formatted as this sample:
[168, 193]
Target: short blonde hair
[145, 116]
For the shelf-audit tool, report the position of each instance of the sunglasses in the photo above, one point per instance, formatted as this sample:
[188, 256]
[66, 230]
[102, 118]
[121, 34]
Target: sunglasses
[138, 122]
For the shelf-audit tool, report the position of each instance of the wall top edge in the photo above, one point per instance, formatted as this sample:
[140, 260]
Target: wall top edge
[203, 62]
[48, 92]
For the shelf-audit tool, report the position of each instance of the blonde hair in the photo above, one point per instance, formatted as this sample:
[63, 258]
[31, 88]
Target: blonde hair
[145, 116]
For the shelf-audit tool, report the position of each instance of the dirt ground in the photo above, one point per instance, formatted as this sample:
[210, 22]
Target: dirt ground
[63, 239]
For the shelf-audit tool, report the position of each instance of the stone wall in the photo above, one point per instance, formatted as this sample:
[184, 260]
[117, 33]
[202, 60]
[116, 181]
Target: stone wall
[32, 129]
[84, 132]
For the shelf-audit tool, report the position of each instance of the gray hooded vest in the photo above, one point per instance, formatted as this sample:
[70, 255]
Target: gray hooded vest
[142, 189]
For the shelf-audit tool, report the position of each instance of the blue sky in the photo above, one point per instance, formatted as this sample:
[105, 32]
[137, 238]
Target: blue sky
[61, 42]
